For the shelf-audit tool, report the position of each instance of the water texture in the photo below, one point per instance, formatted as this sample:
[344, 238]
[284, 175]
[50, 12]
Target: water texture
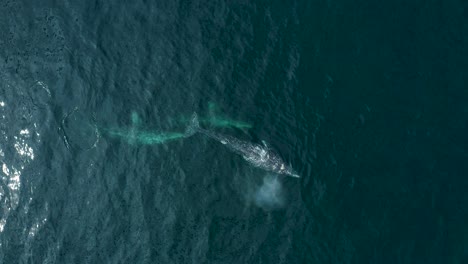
[365, 100]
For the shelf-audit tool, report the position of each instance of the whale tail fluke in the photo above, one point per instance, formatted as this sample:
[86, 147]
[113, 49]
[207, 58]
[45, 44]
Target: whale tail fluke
[194, 126]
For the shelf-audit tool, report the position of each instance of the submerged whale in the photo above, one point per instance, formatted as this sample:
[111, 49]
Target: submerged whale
[260, 156]
[134, 135]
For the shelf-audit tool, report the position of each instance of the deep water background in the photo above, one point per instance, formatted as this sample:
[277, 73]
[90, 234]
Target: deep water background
[367, 100]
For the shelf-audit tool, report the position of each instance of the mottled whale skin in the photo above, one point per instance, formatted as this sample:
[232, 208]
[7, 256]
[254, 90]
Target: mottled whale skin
[260, 156]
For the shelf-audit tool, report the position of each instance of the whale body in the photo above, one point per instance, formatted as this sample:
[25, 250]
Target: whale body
[260, 156]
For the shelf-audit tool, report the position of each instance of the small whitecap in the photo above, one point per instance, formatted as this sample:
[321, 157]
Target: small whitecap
[24, 149]
[2, 224]
[5, 169]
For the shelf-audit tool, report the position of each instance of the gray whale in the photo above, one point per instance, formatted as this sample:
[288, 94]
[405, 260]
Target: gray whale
[260, 156]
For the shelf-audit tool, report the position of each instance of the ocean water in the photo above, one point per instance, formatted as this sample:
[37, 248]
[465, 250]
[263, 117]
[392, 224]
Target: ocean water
[367, 101]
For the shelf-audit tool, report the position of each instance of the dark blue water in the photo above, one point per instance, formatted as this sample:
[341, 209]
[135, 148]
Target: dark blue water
[366, 101]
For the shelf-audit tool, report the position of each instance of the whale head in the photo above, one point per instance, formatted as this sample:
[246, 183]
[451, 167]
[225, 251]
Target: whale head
[288, 170]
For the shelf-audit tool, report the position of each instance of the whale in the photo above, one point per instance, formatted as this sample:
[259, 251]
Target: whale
[219, 122]
[260, 156]
[134, 135]
[143, 137]
[216, 120]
